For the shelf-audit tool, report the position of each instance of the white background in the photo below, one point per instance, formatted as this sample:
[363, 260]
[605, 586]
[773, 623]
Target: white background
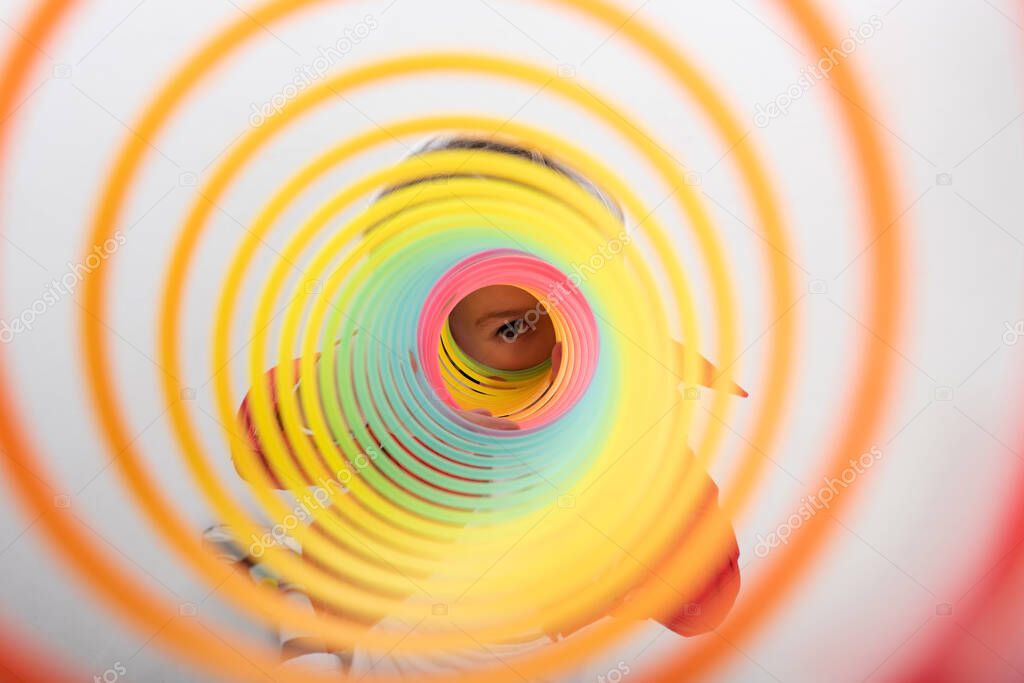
[945, 82]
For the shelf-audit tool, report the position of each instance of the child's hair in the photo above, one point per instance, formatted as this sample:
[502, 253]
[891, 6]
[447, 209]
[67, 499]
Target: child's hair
[470, 143]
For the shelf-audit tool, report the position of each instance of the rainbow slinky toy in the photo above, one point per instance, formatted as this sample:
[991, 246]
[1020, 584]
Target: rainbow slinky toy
[438, 499]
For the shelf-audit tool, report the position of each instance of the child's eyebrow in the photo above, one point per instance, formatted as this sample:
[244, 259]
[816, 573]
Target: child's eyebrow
[509, 313]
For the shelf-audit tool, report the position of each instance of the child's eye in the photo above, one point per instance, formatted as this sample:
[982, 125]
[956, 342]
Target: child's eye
[511, 330]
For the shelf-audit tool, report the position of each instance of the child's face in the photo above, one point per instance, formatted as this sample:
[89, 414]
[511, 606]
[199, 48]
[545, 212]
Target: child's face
[503, 327]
